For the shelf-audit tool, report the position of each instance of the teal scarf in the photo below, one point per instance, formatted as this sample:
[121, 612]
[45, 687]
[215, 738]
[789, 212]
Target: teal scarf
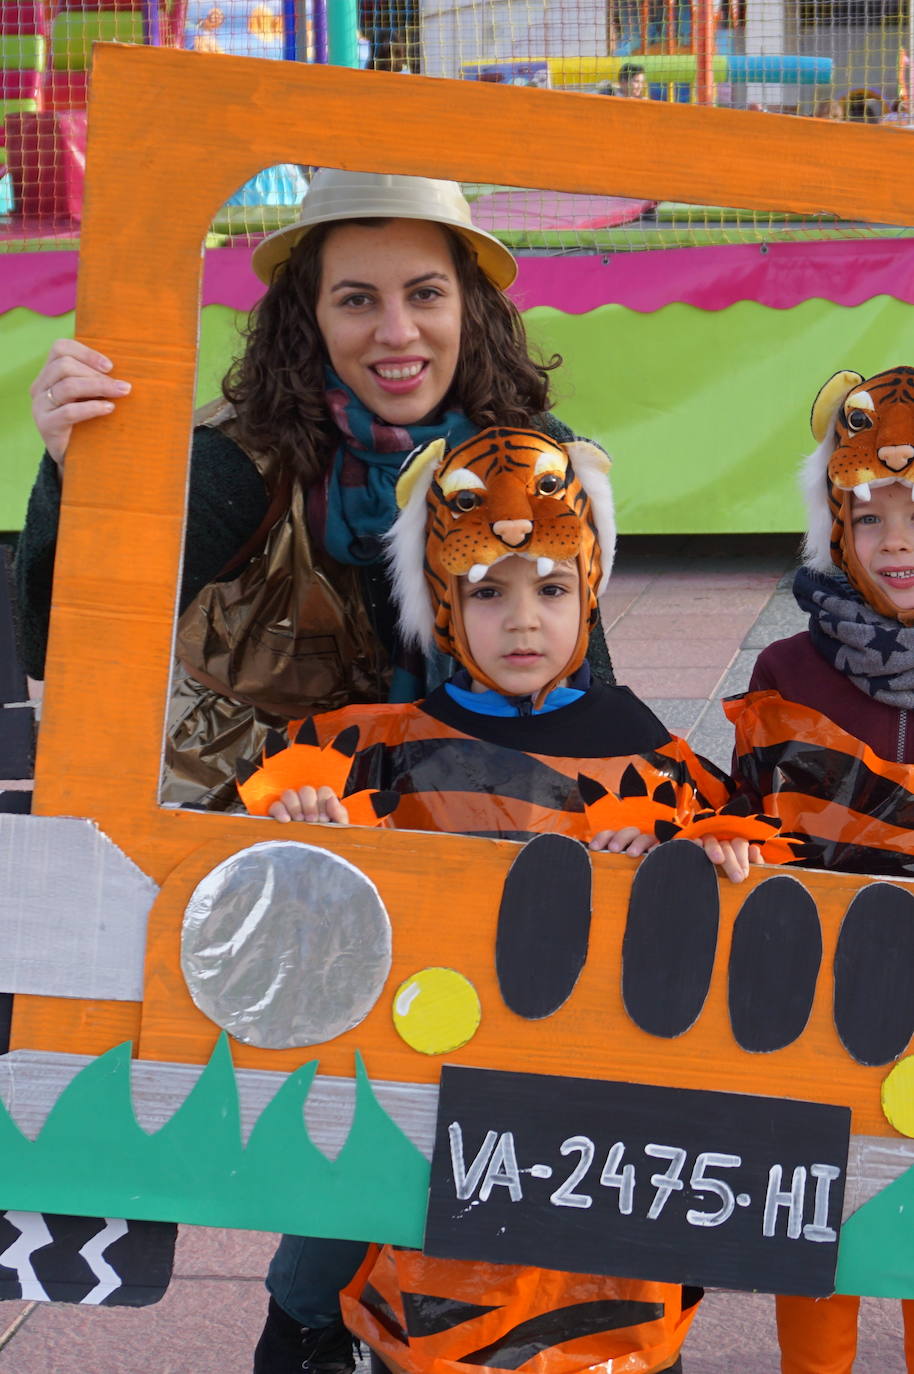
[361, 506]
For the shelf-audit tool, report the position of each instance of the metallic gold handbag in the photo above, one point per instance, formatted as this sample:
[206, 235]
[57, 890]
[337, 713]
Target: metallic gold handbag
[285, 637]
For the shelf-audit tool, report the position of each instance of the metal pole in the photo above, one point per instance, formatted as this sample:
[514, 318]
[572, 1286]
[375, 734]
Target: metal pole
[151, 35]
[703, 38]
[320, 31]
[343, 33]
[289, 46]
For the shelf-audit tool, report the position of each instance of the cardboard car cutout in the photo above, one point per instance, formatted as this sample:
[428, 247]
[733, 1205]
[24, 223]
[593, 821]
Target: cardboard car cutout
[696, 1091]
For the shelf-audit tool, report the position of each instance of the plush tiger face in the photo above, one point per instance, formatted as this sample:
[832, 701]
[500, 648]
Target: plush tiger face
[502, 493]
[872, 428]
[865, 429]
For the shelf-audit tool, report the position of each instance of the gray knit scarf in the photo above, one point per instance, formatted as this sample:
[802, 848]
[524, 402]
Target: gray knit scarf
[873, 651]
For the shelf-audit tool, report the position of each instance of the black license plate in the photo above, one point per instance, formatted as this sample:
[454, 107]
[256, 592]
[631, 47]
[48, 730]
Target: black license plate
[670, 1184]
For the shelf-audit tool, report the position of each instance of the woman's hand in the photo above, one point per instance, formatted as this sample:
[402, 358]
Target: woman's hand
[734, 856]
[630, 840]
[319, 806]
[75, 384]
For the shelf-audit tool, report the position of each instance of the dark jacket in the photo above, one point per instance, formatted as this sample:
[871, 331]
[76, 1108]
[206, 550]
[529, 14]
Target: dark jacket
[226, 502]
[796, 669]
[830, 762]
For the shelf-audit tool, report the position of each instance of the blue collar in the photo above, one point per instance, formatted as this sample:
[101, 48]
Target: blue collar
[491, 703]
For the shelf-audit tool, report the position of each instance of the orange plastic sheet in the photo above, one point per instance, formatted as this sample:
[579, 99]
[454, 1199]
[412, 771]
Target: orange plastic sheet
[854, 810]
[429, 1316]
[433, 771]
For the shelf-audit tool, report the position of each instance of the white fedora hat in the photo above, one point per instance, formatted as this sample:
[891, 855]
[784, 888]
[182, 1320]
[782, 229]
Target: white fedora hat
[337, 195]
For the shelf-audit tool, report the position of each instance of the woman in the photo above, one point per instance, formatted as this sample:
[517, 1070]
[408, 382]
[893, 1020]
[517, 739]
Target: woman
[385, 323]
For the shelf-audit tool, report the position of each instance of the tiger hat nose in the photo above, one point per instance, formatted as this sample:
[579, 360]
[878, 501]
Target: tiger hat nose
[512, 532]
[896, 456]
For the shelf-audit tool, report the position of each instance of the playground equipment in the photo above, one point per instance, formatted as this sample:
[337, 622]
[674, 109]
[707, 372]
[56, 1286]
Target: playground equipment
[563, 73]
[678, 46]
[23, 58]
[45, 59]
[44, 76]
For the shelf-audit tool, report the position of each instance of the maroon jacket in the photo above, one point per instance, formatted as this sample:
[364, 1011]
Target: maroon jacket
[796, 669]
[793, 753]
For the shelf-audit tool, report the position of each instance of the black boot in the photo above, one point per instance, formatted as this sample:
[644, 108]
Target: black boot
[287, 1347]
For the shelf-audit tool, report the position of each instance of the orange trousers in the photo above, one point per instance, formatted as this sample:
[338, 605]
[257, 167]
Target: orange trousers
[819, 1335]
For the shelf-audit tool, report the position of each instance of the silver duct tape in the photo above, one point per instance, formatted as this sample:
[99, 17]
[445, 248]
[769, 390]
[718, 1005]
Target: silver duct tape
[73, 911]
[285, 945]
[32, 1080]
[873, 1162]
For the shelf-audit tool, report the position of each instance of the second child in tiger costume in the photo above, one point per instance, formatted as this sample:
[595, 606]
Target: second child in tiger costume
[825, 733]
[499, 553]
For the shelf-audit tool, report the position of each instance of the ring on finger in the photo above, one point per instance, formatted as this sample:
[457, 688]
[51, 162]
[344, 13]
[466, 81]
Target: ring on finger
[50, 395]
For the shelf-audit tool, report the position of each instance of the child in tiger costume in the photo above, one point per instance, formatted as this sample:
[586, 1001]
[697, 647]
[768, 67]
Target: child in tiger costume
[830, 712]
[499, 553]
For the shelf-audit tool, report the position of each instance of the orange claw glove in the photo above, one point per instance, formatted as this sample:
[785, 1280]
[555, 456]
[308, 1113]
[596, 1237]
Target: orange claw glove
[305, 763]
[663, 814]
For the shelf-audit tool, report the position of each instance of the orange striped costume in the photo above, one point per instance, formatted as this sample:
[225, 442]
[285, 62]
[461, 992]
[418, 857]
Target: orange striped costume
[460, 771]
[428, 1316]
[465, 773]
[853, 809]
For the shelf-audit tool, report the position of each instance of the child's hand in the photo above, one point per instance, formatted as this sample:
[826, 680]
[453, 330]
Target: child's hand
[734, 856]
[629, 840]
[319, 806]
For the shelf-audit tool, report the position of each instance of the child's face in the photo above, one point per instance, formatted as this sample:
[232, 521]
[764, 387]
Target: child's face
[884, 540]
[522, 628]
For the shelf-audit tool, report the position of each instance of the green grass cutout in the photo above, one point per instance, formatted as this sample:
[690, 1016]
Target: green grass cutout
[876, 1249]
[92, 1158]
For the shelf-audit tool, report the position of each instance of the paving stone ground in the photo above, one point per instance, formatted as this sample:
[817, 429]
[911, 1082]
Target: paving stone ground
[685, 619]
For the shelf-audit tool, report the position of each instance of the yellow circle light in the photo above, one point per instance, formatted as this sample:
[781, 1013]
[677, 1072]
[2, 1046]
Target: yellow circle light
[436, 1010]
[898, 1096]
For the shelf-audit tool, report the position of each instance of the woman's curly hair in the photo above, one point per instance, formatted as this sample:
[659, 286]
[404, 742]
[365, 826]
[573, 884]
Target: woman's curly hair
[277, 384]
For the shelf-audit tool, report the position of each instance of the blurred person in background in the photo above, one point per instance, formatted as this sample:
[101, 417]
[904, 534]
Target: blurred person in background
[864, 107]
[633, 82]
[392, 29]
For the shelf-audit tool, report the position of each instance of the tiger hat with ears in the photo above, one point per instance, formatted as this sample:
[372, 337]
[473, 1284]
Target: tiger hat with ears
[865, 429]
[502, 493]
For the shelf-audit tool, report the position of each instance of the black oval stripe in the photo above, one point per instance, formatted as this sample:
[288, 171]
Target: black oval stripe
[874, 974]
[775, 957]
[543, 925]
[670, 938]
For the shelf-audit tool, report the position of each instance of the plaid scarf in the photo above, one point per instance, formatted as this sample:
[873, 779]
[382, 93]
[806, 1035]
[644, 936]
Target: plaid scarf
[360, 501]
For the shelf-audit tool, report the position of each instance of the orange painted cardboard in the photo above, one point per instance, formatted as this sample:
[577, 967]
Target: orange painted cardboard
[171, 135]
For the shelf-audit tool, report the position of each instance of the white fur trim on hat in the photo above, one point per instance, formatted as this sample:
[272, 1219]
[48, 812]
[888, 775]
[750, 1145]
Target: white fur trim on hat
[591, 467]
[814, 473]
[405, 542]
[819, 519]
